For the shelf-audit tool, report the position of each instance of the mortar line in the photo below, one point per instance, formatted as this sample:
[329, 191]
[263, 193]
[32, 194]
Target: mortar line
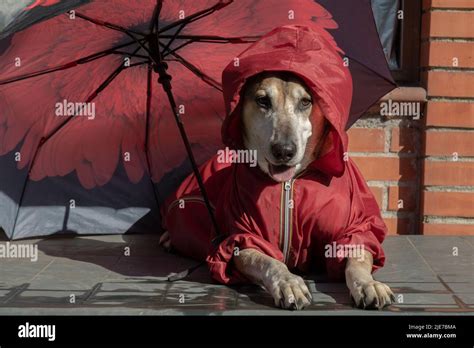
[42, 270]
[469, 242]
[422, 257]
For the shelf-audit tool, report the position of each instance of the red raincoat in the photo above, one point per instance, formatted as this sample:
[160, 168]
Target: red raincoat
[295, 221]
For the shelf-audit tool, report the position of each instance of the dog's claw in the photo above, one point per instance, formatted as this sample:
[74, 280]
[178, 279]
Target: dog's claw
[379, 295]
[393, 298]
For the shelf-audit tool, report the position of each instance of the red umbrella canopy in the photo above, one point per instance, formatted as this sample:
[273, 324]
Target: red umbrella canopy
[97, 55]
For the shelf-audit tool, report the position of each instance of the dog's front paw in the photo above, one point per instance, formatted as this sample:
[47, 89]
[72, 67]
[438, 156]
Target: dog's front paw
[289, 291]
[372, 294]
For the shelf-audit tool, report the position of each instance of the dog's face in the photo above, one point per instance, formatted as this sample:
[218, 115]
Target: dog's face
[281, 123]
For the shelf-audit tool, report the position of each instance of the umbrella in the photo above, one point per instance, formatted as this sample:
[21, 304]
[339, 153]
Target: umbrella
[94, 101]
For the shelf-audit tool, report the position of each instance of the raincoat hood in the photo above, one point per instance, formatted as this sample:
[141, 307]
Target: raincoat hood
[313, 56]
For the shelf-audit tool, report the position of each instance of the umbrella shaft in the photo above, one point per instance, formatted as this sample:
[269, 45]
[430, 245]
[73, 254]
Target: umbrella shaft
[165, 81]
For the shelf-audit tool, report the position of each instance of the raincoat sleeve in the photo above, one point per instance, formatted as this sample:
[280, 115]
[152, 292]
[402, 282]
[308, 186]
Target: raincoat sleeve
[365, 228]
[185, 215]
[220, 261]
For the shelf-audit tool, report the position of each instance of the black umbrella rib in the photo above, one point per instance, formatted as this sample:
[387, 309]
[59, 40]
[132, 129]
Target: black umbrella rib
[130, 55]
[149, 94]
[156, 17]
[109, 25]
[214, 38]
[208, 39]
[207, 79]
[370, 69]
[69, 65]
[196, 16]
[172, 38]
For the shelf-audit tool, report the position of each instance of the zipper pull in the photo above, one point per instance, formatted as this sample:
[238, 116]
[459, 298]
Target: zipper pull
[288, 185]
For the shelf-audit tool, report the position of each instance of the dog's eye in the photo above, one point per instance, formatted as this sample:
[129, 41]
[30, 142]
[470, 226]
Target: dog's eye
[305, 103]
[264, 102]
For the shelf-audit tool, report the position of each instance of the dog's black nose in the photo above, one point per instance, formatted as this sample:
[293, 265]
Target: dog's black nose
[284, 152]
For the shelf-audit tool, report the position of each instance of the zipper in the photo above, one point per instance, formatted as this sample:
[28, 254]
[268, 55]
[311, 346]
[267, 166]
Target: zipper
[286, 214]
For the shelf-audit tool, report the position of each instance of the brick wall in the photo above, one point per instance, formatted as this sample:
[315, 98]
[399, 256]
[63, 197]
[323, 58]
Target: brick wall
[447, 202]
[386, 150]
[422, 171]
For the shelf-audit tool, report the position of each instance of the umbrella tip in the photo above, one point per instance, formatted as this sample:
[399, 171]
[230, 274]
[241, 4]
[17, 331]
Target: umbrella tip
[173, 277]
[223, 3]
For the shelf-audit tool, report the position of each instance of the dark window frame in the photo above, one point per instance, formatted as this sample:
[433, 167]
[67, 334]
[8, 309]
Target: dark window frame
[409, 40]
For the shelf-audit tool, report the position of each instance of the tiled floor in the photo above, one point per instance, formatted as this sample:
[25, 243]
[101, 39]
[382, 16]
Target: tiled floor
[92, 275]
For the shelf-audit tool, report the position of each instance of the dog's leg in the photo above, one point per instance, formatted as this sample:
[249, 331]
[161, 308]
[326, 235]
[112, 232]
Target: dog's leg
[288, 290]
[366, 292]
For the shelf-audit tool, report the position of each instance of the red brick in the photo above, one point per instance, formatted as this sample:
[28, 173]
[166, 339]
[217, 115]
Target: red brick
[406, 194]
[450, 84]
[446, 114]
[448, 229]
[448, 173]
[452, 4]
[378, 194]
[403, 141]
[385, 168]
[440, 143]
[460, 204]
[452, 24]
[366, 140]
[425, 25]
[397, 226]
[442, 54]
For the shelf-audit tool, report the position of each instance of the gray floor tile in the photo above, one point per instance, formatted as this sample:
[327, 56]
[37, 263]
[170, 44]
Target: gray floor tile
[132, 266]
[417, 287]
[333, 298]
[66, 274]
[469, 239]
[3, 294]
[46, 298]
[439, 254]
[462, 287]
[328, 287]
[424, 299]
[467, 298]
[213, 299]
[138, 285]
[15, 272]
[126, 299]
[83, 246]
[403, 263]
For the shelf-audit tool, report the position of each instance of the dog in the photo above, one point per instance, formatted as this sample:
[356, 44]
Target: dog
[287, 129]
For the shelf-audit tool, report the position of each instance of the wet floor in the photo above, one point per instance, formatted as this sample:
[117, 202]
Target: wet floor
[127, 275]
